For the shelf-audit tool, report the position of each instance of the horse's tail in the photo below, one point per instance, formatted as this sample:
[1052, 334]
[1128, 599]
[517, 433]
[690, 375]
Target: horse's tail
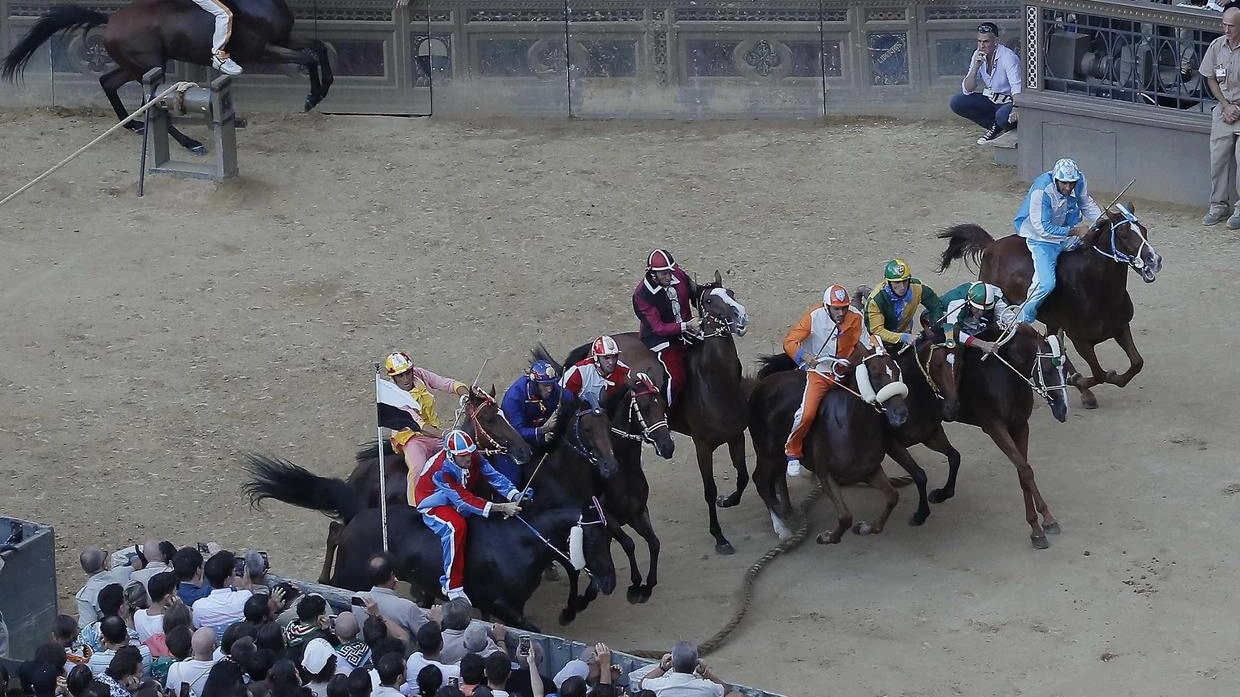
[775, 363]
[272, 478]
[966, 241]
[57, 19]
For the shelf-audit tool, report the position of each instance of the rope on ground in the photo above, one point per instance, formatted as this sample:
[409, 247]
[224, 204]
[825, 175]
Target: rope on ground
[745, 594]
[180, 86]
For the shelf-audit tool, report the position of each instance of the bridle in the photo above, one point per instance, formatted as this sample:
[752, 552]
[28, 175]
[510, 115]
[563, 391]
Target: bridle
[491, 446]
[1035, 379]
[635, 413]
[1136, 262]
[580, 525]
[719, 326]
[839, 381]
[925, 368]
[576, 443]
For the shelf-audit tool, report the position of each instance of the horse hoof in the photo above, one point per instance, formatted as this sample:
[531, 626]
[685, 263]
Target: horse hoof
[1051, 528]
[918, 518]
[728, 501]
[725, 547]
[1089, 401]
[1039, 541]
[199, 150]
[312, 101]
[633, 594]
[940, 495]
[567, 616]
[864, 528]
[825, 539]
[646, 592]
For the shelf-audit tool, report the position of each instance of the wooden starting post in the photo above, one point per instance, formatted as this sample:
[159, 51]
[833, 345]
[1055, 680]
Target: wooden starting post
[211, 106]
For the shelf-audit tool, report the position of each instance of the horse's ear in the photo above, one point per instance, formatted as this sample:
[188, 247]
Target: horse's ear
[718, 278]
[492, 390]
[1131, 208]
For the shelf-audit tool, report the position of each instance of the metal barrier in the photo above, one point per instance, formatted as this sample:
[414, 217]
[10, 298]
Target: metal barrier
[210, 106]
[28, 587]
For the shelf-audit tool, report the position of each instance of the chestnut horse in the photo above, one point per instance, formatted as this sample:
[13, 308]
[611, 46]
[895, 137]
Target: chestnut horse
[149, 33]
[1090, 300]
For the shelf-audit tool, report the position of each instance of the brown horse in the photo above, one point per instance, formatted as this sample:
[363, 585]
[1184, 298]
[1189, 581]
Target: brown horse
[712, 407]
[149, 33]
[1090, 300]
[846, 444]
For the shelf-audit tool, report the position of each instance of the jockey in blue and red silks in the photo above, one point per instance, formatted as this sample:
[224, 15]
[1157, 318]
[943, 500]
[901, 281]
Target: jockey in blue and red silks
[663, 304]
[446, 491]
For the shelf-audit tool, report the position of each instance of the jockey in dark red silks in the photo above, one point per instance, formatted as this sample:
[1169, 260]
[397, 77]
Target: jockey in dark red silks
[663, 304]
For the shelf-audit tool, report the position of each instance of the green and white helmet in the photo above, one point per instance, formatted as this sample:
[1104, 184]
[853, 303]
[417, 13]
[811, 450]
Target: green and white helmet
[981, 295]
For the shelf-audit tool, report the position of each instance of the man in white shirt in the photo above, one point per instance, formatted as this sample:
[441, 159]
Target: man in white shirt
[682, 674]
[225, 604]
[98, 566]
[194, 670]
[163, 593]
[987, 90]
[429, 641]
[391, 669]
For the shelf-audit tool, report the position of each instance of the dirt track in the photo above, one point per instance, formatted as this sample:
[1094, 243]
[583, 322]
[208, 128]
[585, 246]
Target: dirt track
[150, 341]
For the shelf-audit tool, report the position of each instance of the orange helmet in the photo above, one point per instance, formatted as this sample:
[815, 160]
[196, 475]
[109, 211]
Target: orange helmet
[835, 296]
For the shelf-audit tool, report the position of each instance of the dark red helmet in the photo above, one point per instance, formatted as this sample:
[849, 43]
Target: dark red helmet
[660, 260]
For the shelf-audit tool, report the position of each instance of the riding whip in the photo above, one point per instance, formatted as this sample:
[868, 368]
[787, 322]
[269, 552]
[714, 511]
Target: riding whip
[1121, 193]
[382, 474]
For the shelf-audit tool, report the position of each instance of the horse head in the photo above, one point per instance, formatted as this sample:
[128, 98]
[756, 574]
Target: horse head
[1121, 237]
[481, 413]
[721, 313]
[589, 434]
[1042, 359]
[589, 546]
[647, 409]
[880, 381]
[941, 367]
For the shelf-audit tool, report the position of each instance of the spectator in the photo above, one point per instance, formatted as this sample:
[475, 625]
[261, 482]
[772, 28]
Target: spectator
[478, 640]
[682, 674]
[352, 653]
[180, 641]
[586, 666]
[79, 679]
[430, 643]
[375, 629]
[195, 670]
[51, 654]
[360, 683]
[225, 603]
[284, 681]
[258, 667]
[98, 567]
[318, 663]
[313, 622]
[429, 680]
[123, 674]
[255, 567]
[385, 646]
[178, 615]
[456, 618]
[43, 682]
[338, 686]
[1220, 66]
[156, 562]
[236, 632]
[287, 611]
[498, 668]
[112, 604]
[271, 638]
[114, 635]
[65, 632]
[391, 669]
[223, 680]
[188, 566]
[161, 588]
[257, 610]
[987, 89]
[473, 673]
[401, 611]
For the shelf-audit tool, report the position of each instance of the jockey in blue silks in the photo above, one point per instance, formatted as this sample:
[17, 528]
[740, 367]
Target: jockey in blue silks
[531, 405]
[1057, 202]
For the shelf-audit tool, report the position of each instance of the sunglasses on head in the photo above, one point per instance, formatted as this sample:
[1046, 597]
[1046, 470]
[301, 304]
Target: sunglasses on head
[987, 28]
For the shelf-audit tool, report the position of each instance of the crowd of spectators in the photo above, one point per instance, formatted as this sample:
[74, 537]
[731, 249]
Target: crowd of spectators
[201, 622]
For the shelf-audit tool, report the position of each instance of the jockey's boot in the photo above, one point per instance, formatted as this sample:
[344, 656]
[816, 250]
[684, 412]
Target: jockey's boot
[225, 65]
[456, 593]
[794, 467]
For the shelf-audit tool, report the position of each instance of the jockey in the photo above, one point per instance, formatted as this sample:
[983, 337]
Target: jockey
[223, 31]
[417, 446]
[447, 491]
[1048, 219]
[821, 343]
[663, 304]
[892, 306]
[532, 406]
[971, 309]
[602, 371]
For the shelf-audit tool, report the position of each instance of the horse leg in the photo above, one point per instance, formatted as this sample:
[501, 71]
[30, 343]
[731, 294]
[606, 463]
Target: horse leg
[630, 550]
[999, 434]
[1135, 361]
[939, 443]
[901, 455]
[879, 481]
[511, 616]
[736, 449]
[305, 58]
[765, 476]
[706, 466]
[1098, 375]
[1050, 525]
[333, 541]
[645, 528]
[843, 515]
[111, 82]
[572, 605]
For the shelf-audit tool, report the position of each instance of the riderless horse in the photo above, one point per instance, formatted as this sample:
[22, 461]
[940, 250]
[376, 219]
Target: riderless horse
[148, 33]
[711, 408]
[846, 443]
[1090, 300]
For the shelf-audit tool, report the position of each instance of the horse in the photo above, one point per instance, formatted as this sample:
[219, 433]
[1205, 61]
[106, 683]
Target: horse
[846, 444]
[995, 393]
[1090, 300]
[149, 33]
[711, 407]
[504, 559]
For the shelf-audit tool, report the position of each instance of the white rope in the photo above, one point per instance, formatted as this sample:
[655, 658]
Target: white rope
[180, 86]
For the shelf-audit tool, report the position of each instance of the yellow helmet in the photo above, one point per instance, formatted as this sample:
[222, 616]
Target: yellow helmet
[398, 363]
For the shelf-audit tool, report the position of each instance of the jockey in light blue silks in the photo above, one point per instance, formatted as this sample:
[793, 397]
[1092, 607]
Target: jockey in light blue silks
[1056, 203]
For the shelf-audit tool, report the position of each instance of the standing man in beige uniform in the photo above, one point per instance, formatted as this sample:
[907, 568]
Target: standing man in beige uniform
[1221, 68]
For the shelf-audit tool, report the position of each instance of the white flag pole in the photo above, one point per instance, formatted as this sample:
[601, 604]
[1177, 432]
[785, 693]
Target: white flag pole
[382, 472]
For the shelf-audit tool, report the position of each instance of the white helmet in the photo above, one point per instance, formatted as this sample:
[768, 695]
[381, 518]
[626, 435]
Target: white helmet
[1066, 170]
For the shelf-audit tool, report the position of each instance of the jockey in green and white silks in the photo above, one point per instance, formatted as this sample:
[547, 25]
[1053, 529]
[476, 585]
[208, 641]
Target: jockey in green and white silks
[971, 309]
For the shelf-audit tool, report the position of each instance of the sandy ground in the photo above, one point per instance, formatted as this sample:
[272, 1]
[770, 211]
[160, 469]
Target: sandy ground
[148, 342]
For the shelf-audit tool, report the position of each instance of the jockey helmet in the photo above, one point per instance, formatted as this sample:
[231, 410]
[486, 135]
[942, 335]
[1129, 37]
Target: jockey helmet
[604, 346]
[543, 372]
[897, 270]
[660, 260]
[835, 296]
[981, 295]
[458, 442]
[398, 363]
[1066, 170]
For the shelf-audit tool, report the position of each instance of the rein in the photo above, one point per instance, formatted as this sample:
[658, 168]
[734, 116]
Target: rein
[1034, 379]
[925, 369]
[578, 446]
[494, 447]
[580, 523]
[838, 382]
[1115, 254]
[635, 414]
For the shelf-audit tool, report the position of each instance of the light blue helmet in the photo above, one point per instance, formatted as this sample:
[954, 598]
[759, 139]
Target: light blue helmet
[1066, 170]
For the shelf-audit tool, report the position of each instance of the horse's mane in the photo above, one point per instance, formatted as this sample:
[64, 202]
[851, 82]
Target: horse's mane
[567, 405]
[774, 363]
[576, 355]
[369, 451]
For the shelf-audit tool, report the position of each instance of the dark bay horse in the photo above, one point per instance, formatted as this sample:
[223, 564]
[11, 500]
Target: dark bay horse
[504, 558]
[1090, 300]
[846, 444]
[712, 406]
[148, 33]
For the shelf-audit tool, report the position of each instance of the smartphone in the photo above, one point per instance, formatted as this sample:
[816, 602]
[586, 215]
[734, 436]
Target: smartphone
[357, 602]
[266, 561]
[239, 567]
[454, 682]
[202, 547]
[523, 646]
